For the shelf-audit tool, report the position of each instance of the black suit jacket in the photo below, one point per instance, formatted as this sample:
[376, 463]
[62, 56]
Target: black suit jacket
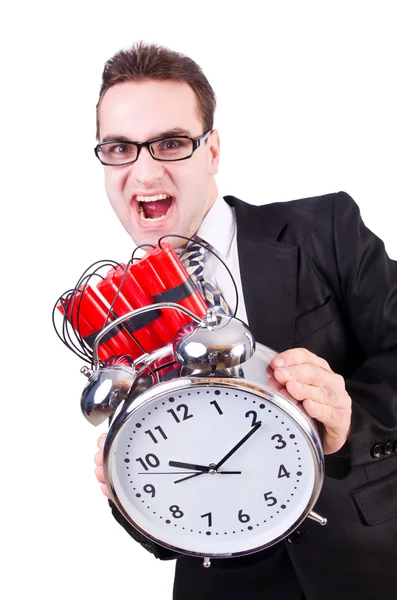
[314, 276]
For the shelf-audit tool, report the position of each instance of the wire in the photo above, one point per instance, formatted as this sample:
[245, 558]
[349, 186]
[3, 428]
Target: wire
[110, 311]
[139, 248]
[206, 247]
[71, 301]
[69, 334]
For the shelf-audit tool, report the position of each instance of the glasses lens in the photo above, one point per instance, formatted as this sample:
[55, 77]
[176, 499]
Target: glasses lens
[172, 148]
[117, 153]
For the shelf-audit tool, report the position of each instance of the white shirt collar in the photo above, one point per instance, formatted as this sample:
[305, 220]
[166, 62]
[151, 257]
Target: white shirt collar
[218, 227]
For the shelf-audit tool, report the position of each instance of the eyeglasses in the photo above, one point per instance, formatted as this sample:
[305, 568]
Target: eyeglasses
[174, 148]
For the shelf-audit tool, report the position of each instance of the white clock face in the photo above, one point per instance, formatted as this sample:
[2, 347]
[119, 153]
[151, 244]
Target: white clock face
[212, 469]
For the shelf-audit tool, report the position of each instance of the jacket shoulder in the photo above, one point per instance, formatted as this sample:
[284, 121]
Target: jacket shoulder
[301, 216]
[303, 206]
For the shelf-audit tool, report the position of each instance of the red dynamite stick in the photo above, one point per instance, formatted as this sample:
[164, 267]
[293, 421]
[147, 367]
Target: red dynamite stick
[136, 296]
[176, 279]
[152, 284]
[87, 314]
[139, 326]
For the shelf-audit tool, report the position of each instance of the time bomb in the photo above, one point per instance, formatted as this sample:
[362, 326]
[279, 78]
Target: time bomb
[202, 456]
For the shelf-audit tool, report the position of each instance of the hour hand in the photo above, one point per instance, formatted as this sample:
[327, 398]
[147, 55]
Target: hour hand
[184, 465]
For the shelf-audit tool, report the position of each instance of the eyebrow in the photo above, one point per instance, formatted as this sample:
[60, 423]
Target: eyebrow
[169, 133]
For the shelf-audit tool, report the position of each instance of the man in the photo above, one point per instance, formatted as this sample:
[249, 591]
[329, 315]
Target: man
[317, 287]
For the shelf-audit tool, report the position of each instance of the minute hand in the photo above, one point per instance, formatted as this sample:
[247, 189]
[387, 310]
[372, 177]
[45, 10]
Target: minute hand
[237, 446]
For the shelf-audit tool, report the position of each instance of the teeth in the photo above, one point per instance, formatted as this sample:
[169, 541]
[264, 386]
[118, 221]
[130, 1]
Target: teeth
[142, 216]
[151, 220]
[152, 198]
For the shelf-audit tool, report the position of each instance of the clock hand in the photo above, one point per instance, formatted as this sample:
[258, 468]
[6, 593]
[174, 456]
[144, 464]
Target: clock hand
[237, 446]
[202, 473]
[183, 465]
[163, 473]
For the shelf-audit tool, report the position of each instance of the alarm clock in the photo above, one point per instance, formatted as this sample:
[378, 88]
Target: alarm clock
[202, 456]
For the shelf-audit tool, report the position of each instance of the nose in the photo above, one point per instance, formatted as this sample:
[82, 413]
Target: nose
[146, 170]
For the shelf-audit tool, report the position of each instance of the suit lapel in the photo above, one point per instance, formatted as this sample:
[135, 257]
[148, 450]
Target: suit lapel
[268, 270]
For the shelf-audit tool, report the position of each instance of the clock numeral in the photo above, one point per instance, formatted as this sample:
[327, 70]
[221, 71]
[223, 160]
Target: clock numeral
[185, 413]
[218, 408]
[150, 489]
[159, 429]
[243, 518]
[254, 417]
[282, 472]
[209, 515]
[151, 460]
[279, 438]
[175, 511]
[271, 500]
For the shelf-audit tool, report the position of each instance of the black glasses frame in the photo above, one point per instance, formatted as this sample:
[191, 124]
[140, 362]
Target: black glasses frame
[196, 142]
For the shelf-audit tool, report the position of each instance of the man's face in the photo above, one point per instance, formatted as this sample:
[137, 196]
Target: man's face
[143, 111]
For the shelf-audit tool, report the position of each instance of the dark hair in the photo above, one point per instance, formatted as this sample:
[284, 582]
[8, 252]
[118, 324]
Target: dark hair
[149, 61]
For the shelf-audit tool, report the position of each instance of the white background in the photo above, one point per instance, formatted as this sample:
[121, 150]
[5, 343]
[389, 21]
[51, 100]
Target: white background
[306, 105]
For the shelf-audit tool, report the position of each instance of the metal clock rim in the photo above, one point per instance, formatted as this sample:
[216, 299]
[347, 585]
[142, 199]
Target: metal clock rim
[181, 383]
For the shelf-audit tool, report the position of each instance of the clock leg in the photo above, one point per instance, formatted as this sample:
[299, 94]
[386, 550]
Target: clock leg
[316, 517]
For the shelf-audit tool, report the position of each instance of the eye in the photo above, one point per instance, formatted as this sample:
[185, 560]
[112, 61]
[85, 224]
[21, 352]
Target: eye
[120, 148]
[170, 144]
[172, 148]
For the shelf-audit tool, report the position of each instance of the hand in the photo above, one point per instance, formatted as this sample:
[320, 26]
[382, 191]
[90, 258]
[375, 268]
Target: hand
[310, 380]
[203, 469]
[183, 465]
[202, 473]
[99, 462]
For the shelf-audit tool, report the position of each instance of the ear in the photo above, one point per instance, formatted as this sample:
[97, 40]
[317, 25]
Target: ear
[214, 148]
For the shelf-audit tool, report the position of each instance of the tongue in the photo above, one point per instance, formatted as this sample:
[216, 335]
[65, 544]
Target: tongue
[153, 210]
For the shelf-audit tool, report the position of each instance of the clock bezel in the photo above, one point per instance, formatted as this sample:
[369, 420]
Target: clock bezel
[294, 410]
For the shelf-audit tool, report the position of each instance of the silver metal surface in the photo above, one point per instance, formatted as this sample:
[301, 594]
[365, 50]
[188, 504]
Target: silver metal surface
[226, 344]
[105, 390]
[316, 517]
[134, 313]
[216, 351]
[292, 408]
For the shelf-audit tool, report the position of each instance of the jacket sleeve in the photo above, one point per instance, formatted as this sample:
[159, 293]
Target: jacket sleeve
[155, 549]
[368, 284]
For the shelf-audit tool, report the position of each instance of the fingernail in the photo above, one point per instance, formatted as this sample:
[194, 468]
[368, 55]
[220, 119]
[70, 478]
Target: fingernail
[279, 362]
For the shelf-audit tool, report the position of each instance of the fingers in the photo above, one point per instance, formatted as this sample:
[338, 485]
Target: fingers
[98, 458]
[311, 374]
[310, 380]
[105, 491]
[298, 356]
[101, 441]
[101, 478]
[100, 475]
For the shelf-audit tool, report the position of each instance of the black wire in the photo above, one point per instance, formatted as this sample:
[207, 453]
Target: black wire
[114, 300]
[67, 301]
[70, 345]
[68, 298]
[138, 248]
[81, 291]
[76, 330]
[54, 312]
[206, 247]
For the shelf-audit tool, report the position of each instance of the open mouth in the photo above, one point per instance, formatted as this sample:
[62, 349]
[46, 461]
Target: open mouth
[153, 208]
